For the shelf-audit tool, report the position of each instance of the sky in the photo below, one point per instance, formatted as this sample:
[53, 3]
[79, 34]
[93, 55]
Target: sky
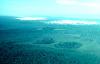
[63, 8]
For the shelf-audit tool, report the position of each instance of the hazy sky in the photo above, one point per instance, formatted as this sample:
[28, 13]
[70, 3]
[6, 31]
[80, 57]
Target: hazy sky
[67, 8]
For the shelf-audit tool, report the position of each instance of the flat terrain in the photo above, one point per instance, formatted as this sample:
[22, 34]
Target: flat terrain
[70, 44]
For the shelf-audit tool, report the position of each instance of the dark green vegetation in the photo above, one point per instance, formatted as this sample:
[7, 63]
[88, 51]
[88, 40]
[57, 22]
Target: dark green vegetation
[37, 43]
[45, 40]
[70, 45]
[28, 54]
[34, 54]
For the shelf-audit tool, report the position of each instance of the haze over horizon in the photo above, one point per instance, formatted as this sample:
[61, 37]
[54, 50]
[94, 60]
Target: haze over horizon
[64, 8]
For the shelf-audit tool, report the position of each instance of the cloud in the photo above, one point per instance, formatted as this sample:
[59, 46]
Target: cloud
[88, 3]
[75, 22]
[87, 8]
[32, 18]
[66, 2]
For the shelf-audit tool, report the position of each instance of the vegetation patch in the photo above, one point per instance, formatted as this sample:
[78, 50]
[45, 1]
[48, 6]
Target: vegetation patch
[45, 40]
[68, 45]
